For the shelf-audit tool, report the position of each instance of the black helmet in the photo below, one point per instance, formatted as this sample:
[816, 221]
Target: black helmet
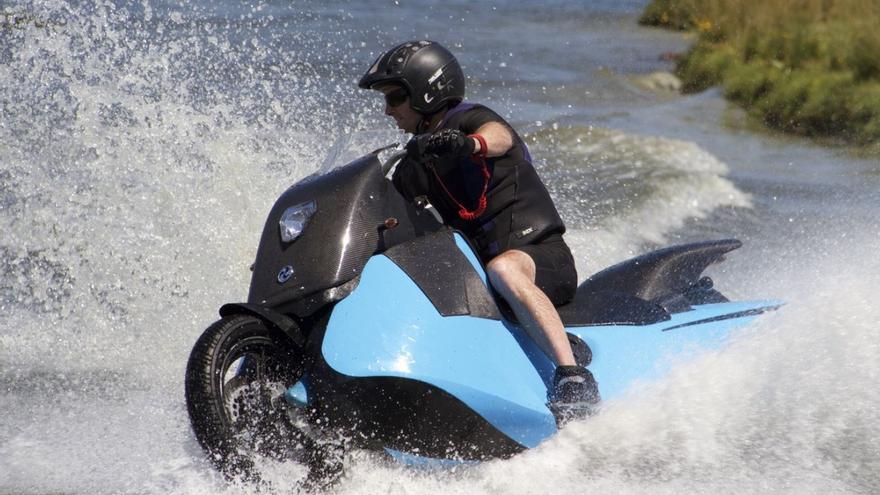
[428, 71]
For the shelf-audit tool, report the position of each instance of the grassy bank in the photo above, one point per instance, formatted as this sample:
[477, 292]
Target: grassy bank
[810, 67]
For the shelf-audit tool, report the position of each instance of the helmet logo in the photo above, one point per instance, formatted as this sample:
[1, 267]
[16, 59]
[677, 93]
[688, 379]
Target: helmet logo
[435, 75]
[441, 86]
[428, 100]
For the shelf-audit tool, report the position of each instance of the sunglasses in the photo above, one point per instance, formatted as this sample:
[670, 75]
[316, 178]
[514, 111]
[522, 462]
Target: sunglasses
[396, 97]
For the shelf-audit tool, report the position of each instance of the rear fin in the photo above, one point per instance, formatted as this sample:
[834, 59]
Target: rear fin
[662, 273]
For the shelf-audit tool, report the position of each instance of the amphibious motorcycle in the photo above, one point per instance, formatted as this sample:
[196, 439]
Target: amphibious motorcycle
[370, 324]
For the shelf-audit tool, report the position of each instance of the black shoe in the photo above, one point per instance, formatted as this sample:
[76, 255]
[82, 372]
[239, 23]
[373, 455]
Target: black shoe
[574, 395]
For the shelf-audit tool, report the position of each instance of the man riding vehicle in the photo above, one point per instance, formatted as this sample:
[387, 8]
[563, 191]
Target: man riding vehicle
[477, 173]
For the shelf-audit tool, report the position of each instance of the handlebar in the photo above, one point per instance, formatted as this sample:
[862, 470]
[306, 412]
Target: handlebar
[392, 160]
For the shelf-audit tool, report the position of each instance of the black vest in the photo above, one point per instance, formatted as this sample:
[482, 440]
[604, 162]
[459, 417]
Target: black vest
[519, 209]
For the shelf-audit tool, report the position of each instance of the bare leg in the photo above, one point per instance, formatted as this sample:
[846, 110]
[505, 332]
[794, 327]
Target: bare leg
[512, 274]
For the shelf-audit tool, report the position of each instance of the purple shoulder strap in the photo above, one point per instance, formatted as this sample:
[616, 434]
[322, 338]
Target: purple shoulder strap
[457, 109]
[464, 106]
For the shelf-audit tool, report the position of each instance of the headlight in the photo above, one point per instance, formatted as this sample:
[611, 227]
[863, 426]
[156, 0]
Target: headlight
[295, 219]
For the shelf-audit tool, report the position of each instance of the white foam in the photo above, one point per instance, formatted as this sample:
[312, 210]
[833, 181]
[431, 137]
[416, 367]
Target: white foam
[632, 190]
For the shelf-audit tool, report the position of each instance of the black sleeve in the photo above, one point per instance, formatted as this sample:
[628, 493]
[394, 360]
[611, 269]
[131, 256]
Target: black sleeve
[410, 179]
[478, 117]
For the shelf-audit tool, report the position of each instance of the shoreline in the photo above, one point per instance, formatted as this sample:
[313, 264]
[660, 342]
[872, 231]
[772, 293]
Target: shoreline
[814, 74]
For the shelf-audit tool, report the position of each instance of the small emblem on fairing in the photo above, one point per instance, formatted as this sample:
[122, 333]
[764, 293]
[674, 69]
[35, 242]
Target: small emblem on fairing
[285, 274]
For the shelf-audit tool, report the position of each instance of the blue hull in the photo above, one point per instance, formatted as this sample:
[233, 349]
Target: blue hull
[388, 328]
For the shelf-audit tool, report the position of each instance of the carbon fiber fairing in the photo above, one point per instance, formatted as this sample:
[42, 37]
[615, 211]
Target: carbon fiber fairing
[338, 241]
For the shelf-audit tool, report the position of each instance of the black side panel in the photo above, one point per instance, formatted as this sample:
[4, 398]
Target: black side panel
[411, 416]
[445, 275]
[607, 307]
[660, 274]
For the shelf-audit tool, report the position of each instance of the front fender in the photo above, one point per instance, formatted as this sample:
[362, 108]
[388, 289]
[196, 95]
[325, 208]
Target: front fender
[275, 319]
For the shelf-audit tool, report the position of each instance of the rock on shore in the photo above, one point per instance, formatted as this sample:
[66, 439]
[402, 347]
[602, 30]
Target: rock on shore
[659, 81]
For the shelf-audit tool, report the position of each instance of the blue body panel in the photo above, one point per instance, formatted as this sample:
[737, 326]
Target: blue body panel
[388, 328]
[624, 354]
[297, 395]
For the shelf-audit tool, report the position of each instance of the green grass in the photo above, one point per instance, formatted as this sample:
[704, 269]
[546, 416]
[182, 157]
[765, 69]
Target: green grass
[809, 67]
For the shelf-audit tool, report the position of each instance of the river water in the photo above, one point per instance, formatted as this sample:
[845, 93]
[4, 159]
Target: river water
[141, 144]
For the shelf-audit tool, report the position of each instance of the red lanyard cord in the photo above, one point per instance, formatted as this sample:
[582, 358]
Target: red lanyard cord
[478, 157]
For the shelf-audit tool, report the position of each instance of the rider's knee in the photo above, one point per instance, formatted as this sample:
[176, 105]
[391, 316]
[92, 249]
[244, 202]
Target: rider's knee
[506, 268]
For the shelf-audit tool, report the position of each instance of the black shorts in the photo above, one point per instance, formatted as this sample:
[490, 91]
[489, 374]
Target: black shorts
[555, 273]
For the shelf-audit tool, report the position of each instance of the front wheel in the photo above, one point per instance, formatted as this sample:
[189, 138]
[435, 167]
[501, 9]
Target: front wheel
[236, 376]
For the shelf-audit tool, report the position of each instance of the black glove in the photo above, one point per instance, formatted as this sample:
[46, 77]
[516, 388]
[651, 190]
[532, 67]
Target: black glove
[444, 143]
[450, 143]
